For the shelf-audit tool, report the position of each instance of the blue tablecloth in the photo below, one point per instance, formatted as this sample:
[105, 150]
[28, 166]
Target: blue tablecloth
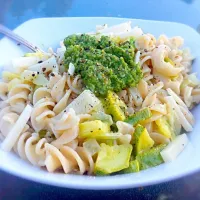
[15, 12]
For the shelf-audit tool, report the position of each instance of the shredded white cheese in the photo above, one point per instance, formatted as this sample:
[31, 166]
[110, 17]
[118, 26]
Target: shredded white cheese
[71, 69]
[174, 148]
[15, 132]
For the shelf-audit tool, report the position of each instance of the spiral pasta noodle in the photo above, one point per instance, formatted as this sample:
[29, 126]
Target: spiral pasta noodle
[65, 127]
[18, 97]
[41, 93]
[75, 84]
[146, 41]
[68, 159]
[42, 113]
[31, 147]
[3, 90]
[58, 89]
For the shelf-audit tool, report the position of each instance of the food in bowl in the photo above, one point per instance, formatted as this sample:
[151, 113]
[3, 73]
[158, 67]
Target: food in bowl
[113, 101]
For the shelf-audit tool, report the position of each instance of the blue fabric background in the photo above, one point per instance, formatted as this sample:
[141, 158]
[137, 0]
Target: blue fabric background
[15, 12]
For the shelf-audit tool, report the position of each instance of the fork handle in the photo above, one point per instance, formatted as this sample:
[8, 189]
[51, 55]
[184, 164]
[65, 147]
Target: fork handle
[7, 32]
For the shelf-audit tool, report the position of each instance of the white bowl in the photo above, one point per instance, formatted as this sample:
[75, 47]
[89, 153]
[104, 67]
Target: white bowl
[46, 32]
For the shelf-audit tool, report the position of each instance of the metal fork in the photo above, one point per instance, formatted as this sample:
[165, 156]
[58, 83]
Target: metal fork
[7, 32]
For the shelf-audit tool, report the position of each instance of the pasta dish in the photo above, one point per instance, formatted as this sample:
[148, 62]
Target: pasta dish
[112, 101]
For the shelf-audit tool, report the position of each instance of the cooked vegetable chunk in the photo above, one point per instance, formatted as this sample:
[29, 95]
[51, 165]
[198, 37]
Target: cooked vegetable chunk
[92, 146]
[133, 167]
[150, 158]
[93, 129]
[142, 140]
[113, 158]
[84, 103]
[174, 124]
[103, 117]
[114, 106]
[164, 127]
[139, 116]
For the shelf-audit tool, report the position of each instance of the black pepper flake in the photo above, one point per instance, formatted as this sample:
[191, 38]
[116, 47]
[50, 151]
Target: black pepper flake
[65, 111]
[33, 74]
[52, 74]
[43, 69]
[40, 61]
[18, 44]
[38, 72]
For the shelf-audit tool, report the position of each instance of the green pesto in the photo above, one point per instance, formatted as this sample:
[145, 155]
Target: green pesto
[103, 64]
[150, 158]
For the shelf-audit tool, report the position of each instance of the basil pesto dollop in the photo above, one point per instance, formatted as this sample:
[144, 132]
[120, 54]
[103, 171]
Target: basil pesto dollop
[103, 64]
